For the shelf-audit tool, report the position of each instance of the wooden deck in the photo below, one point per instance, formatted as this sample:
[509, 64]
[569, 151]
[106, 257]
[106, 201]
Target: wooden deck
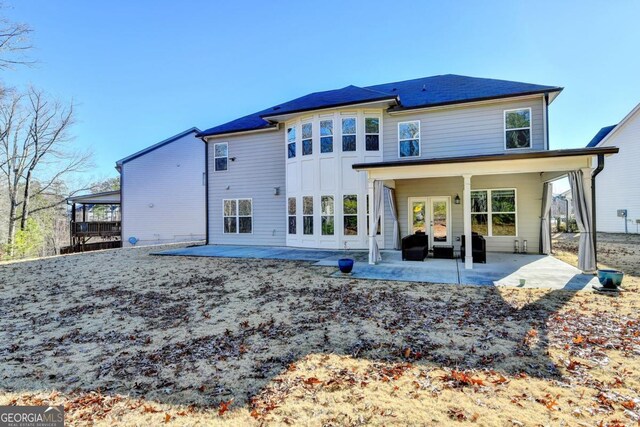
[96, 229]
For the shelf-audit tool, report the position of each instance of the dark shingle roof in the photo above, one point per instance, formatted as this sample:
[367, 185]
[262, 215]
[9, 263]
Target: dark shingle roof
[416, 93]
[602, 133]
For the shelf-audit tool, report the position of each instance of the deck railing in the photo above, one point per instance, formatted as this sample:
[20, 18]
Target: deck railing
[96, 228]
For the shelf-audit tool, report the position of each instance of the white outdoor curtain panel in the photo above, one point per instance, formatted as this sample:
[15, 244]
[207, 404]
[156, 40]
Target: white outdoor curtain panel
[586, 252]
[378, 204]
[391, 199]
[545, 229]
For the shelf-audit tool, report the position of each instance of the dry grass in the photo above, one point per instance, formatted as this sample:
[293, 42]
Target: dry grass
[124, 337]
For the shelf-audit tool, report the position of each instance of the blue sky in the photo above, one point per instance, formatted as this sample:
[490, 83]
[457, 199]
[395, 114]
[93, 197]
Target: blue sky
[141, 71]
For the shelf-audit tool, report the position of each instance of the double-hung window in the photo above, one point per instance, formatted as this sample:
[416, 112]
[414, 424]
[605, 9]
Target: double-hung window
[326, 136]
[409, 139]
[349, 134]
[517, 128]
[493, 212]
[350, 214]
[237, 216]
[372, 133]
[291, 215]
[307, 215]
[307, 139]
[326, 218]
[291, 142]
[220, 156]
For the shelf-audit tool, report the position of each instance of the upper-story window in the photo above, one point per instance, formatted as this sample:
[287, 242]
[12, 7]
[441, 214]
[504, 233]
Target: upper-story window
[372, 133]
[291, 142]
[220, 156]
[517, 128]
[326, 136]
[409, 139]
[349, 134]
[307, 139]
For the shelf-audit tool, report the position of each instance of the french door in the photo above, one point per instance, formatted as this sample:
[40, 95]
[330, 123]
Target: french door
[431, 215]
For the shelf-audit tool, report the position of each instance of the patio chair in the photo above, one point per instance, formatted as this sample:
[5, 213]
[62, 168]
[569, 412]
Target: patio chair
[415, 247]
[478, 248]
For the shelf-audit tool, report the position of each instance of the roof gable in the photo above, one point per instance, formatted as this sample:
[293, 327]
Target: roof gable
[602, 133]
[607, 132]
[156, 146]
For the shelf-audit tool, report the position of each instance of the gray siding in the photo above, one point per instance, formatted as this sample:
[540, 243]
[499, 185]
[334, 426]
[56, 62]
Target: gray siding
[528, 193]
[463, 131]
[258, 168]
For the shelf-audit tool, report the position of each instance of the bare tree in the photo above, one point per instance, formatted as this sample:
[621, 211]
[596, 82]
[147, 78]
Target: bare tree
[34, 137]
[14, 43]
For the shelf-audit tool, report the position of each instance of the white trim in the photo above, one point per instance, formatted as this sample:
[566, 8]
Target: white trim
[293, 126]
[419, 138]
[530, 129]
[220, 157]
[289, 116]
[447, 199]
[237, 216]
[490, 212]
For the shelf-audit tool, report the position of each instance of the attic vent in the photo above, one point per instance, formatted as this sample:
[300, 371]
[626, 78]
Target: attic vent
[276, 108]
[424, 88]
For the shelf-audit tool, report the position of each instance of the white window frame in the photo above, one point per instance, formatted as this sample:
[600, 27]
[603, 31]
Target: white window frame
[333, 136]
[287, 142]
[295, 215]
[237, 216]
[530, 128]
[303, 139]
[356, 215]
[312, 215]
[490, 212]
[419, 139]
[348, 134]
[367, 133]
[215, 168]
[333, 215]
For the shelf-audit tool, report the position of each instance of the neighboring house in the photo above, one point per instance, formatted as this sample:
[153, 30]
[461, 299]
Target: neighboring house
[619, 184]
[453, 153]
[562, 209]
[163, 192]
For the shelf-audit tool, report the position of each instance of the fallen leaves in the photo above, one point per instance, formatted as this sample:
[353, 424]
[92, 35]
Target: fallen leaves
[224, 406]
[461, 379]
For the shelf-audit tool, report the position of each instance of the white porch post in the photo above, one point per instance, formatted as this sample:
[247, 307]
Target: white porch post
[371, 221]
[466, 209]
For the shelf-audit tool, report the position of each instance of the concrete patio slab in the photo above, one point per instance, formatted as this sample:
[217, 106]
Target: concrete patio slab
[501, 269]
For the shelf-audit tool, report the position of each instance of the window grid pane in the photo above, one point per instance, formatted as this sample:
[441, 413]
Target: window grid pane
[349, 134]
[350, 215]
[220, 156]
[409, 139]
[326, 136]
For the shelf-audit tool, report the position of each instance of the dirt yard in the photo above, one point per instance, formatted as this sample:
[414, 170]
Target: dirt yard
[124, 337]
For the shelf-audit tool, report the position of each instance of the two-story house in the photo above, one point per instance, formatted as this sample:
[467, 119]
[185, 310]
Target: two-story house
[358, 167]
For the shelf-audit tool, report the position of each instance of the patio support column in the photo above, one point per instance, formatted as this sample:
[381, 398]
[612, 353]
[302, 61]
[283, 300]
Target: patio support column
[466, 208]
[372, 237]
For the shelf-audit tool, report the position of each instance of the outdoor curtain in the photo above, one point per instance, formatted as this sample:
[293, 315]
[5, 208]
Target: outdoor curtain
[545, 228]
[582, 210]
[378, 204]
[391, 199]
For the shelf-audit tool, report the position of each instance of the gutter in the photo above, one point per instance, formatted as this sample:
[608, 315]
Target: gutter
[594, 228]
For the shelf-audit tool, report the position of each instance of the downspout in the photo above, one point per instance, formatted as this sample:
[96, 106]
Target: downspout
[206, 189]
[594, 228]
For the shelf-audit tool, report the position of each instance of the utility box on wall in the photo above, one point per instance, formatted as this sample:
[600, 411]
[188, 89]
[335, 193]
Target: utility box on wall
[622, 213]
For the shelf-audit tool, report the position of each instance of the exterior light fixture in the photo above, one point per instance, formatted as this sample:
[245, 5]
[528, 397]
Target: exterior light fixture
[233, 159]
[276, 191]
[456, 200]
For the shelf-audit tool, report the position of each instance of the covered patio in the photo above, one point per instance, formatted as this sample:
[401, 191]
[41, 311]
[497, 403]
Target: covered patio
[537, 271]
[521, 181]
